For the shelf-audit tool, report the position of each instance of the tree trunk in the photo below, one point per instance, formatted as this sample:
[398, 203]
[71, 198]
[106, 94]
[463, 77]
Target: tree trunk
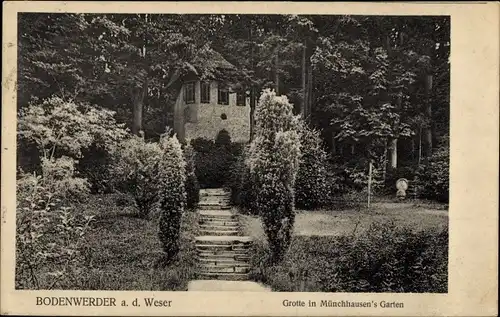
[384, 163]
[394, 153]
[428, 113]
[138, 105]
[420, 145]
[304, 87]
[277, 72]
[252, 111]
[413, 149]
[252, 88]
[334, 144]
[309, 92]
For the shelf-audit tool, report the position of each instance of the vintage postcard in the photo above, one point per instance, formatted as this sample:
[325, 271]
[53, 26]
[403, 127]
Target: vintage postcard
[250, 159]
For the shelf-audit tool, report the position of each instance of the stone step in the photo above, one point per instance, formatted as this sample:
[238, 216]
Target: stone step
[215, 196]
[214, 191]
[206, 218]
[223, 256]
[221, 261]
[212, 207]
[215, 219]
[216, 212]
[219, 227]
[216, 222]
[214, 202]
[222, 247]
[227, 286]
[224, 276]
[215, 269]
[219, 232]
[216, 239]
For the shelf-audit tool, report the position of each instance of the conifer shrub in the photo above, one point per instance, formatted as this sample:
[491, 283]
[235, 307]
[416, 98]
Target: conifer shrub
[243, 193]
[172, 173]
[311, 187]
[136, 170]
[273, 162]
[192, 185]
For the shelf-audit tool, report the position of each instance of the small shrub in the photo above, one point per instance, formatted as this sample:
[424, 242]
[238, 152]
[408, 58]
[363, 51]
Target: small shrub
[273, 162]
[223, 138]
[192, 185]
[136, 170]
[215, 161]
[390, 259]
[49, 230]
[212, 163]
[172, 173]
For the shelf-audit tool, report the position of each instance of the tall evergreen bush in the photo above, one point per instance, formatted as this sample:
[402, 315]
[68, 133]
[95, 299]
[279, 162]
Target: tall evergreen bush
[273, 163]
[172, 195]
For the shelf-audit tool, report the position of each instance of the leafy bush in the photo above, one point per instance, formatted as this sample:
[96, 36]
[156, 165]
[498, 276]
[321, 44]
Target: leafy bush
[49, 230]
[385, 258]
[192, 185]
[172, 172]
[214, 160]
[58, 127]
[223, 138]
[434, 176]
[136, 170]
[390, 259]
[212, 163]
[311, 187]
[273, 162]
[243, 193]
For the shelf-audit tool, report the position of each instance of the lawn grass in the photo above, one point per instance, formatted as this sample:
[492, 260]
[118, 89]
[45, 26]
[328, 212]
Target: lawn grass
[420, 216]
[122, 251]
[390, 248]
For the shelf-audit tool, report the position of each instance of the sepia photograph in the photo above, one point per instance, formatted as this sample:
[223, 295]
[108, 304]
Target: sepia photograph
[179, 152]
[289, 159]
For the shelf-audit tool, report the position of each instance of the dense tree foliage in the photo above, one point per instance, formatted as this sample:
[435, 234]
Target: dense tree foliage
[375, 87]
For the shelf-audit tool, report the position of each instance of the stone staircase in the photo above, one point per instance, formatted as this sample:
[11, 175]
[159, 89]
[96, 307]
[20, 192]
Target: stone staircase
[222, 251]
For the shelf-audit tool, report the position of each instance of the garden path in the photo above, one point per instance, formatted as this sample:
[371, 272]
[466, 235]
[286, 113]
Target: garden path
[222, 251]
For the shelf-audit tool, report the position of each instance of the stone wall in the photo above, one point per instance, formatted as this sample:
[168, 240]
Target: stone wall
[204, 120]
